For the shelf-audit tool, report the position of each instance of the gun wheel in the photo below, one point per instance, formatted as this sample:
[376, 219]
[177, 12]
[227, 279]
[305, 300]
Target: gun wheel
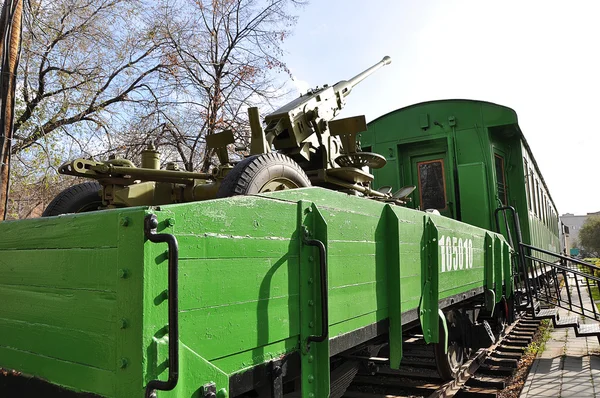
[79, 198]
[268, 172]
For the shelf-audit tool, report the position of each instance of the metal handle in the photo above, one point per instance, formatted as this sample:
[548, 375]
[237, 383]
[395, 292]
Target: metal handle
[323, 273]
[150, 224]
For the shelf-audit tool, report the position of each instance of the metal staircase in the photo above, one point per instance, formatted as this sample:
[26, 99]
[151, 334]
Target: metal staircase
[551, 285]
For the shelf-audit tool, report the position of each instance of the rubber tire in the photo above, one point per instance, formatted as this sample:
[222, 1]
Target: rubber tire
[79, 198]
[252, 173]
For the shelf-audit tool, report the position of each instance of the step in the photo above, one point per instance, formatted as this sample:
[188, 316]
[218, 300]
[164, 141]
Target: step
[567, 321]
[547, 313]
[588, 329]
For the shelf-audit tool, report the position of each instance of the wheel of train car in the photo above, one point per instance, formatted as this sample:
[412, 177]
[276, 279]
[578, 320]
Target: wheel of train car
[263, 173]
[500, 318]
[76, 199]
[448, 363]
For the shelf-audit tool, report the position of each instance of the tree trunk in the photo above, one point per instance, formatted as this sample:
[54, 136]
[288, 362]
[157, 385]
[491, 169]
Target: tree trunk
[9, 69]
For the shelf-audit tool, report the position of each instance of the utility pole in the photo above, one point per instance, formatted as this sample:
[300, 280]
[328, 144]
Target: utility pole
[10, 30]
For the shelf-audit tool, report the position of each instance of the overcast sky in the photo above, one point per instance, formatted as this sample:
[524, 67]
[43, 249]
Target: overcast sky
[540, 58]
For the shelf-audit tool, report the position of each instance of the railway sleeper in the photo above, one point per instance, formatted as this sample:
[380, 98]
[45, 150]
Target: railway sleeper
[486, 382]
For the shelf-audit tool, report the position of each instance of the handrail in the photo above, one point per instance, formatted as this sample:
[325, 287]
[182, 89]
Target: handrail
[571, 259]
[150, 224]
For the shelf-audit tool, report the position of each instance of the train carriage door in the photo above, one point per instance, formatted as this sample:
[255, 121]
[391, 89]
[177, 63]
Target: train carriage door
[428, 168]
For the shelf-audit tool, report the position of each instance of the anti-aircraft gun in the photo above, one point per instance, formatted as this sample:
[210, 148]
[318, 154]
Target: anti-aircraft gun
[300, 146]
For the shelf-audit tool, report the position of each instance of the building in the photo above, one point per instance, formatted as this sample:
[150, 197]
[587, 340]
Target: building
[571, 225]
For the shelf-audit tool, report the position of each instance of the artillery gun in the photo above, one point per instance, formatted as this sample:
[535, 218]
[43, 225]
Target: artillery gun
[310, 148]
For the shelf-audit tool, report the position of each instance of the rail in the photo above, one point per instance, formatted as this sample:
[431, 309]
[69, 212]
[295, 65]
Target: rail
[548, 278]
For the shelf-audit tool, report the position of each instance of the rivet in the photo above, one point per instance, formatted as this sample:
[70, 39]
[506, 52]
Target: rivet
[123, 273]
[124, 221]
[311, 258]
[310, 281]
[311, 324]
[123, 363]
[311, 395]
[310, 358]
[170, 221]
[311, 378]
[311, 303]
[124, 323]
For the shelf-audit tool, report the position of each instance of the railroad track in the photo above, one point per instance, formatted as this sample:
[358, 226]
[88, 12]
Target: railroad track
[484, 375]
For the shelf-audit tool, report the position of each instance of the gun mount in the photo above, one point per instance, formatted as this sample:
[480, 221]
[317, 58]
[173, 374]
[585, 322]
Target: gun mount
[312, 149]
[300, 127]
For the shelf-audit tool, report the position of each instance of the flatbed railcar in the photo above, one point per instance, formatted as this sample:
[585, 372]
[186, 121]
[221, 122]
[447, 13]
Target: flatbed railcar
[92, 303]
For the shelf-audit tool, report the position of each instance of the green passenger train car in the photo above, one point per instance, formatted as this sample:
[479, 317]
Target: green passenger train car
[466, 158]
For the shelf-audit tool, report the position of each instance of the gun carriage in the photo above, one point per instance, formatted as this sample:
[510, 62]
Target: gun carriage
[300, 146]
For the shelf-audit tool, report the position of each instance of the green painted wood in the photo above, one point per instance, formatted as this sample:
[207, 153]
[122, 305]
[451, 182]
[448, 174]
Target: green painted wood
[248, 280]
[131, 302]
[225, 330]
[210, 245]
[75, 376]
[507, 271]
[93, 230]
[242, 360]
[84, 269]
[61, 343]
[428, 310]
[389, 230]
[83, 310]
[314, 356]
[499, 268]
[365, 298]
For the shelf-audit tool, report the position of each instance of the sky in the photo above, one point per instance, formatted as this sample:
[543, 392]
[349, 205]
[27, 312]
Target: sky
[540, 58]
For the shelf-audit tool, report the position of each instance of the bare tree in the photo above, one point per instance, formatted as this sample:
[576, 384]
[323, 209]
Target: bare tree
[80, 59]
[100, 77]
[225, 52]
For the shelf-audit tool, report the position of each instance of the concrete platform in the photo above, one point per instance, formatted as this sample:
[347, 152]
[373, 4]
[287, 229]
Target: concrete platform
[568, 367]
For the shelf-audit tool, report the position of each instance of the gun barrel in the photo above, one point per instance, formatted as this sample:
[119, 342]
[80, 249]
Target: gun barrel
[363, 75]
[345, 86]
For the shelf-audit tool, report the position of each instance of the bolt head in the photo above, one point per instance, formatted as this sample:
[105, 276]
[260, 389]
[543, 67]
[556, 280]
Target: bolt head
[123, 362]
[124, 221]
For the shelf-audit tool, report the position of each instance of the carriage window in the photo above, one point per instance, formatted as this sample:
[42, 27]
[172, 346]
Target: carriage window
[432, 184]
[527, 184]
[531, 190]
[501, 181]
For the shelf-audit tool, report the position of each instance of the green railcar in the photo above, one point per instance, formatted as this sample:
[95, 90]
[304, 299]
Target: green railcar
[466, 158]
[95, 303]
